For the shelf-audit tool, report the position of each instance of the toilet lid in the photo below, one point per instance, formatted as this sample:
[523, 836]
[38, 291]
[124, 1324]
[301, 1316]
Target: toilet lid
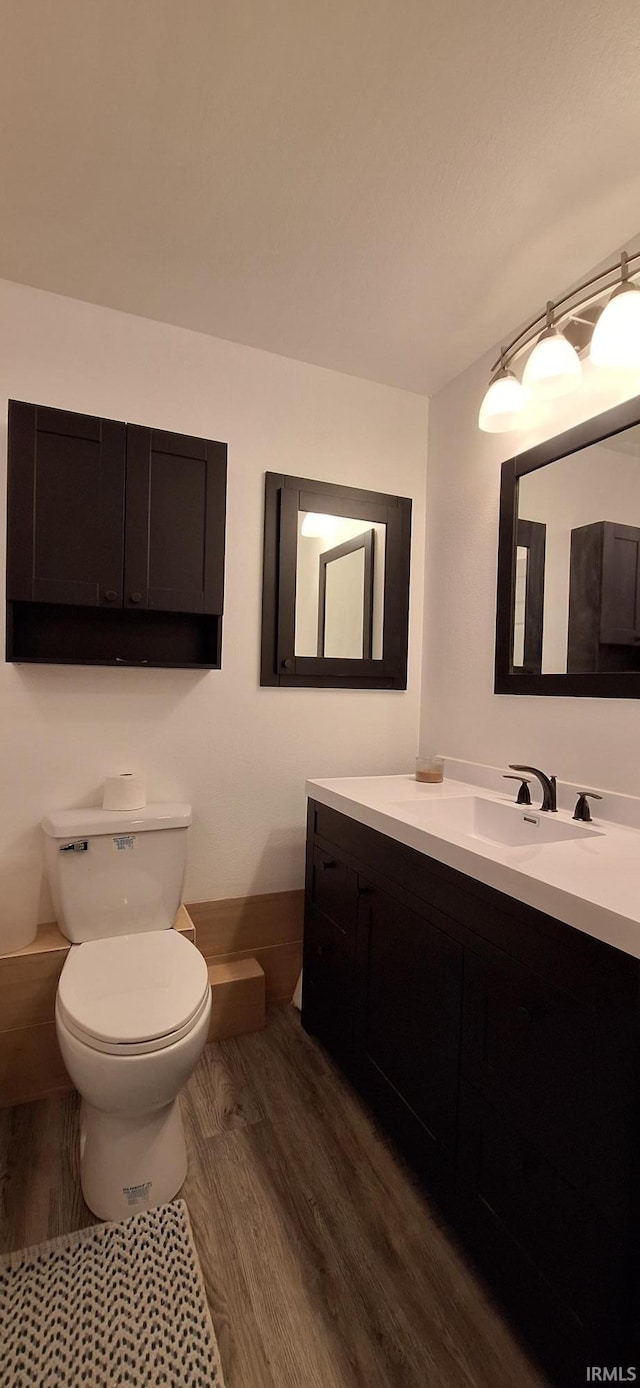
[133, 988]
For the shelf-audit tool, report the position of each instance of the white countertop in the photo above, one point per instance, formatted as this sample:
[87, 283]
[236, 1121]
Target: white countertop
[592, 883]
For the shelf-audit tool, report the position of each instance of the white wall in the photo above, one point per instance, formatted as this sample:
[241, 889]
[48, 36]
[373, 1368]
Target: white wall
[592, 740]
[239, 753]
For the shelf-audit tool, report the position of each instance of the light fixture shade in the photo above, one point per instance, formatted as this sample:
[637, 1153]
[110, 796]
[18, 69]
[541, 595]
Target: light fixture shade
[317, 526]
[616, 337]
[553, 368]
[502, 403]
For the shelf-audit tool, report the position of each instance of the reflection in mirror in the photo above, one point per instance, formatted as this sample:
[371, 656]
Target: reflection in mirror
[519, 605]
[345, 605]
[529, 596]
[588, 508]
[339, 587]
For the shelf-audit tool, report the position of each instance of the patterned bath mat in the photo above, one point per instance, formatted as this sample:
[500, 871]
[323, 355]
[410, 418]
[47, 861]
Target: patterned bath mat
[115, 1304]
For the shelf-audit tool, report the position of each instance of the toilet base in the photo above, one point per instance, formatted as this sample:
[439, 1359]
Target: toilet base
[131, 1162]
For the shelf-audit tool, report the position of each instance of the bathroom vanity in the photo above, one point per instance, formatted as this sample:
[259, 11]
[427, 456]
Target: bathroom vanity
[459, 981]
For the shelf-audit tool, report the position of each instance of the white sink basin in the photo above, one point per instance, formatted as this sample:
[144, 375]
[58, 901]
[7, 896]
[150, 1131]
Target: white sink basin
[514, 826]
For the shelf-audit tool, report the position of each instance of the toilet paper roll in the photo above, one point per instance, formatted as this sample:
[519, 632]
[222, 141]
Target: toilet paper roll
[124, 792]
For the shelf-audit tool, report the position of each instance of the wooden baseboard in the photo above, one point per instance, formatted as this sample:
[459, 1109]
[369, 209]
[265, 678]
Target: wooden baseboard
[237, 999]
[266, 927]
[243, 923]
[31, 1065]
[281, 965]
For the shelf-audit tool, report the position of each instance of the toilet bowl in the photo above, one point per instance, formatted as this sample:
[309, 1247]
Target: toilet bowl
[132, 1018]
[133, 1001]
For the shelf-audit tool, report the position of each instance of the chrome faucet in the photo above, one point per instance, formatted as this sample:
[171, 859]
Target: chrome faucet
[548, 784]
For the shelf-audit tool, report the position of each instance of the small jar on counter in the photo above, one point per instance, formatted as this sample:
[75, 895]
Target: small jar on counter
[430, 769]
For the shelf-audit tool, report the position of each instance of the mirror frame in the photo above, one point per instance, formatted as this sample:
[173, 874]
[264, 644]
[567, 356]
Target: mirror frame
[622, 685]
[284, 498]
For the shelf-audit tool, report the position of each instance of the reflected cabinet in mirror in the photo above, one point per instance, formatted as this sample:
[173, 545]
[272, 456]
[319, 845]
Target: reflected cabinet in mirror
[568, 614]
[335, 598]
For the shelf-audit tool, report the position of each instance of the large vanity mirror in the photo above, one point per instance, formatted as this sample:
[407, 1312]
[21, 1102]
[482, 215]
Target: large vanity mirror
[335, 587]
[568, 618]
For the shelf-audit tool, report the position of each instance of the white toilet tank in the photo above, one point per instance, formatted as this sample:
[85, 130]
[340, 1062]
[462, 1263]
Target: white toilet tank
[115, 872]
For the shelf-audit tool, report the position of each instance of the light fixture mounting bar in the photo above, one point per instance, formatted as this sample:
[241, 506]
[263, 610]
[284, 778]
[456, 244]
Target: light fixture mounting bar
[527, 334]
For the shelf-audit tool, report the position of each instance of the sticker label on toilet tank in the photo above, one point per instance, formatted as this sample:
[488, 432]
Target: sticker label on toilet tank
[123, 841]
[137, 1195]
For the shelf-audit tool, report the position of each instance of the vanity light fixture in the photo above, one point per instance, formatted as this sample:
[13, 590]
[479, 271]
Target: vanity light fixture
[553, 367]
[615, 344]
[502, 403]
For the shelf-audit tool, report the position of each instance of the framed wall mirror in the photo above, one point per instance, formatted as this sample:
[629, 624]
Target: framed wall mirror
[335, 595]
[568, 610]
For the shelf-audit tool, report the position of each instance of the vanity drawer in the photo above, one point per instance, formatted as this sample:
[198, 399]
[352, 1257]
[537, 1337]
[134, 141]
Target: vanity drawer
[555, 1261]
[559, 1070]
[334, 889]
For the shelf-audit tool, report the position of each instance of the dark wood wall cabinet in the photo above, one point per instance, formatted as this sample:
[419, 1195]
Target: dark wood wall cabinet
[499, 1048]
[115, 542]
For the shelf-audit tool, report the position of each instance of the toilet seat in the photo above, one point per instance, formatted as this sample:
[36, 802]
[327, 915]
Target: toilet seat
[133, 994]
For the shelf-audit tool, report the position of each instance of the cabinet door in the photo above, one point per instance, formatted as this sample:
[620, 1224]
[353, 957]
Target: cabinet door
[561, 1268]
[620, 611]
[410, 987]
[65, 524]
[559, 1070]
[176, 494]
[328, 990]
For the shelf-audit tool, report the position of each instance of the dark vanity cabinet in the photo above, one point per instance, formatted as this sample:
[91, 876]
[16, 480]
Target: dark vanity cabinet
[499, 1048]
[604, 598]
[115, 542]
[409, 1027]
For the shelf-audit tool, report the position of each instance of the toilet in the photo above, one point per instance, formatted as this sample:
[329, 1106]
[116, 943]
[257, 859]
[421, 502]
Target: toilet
[133, 1000]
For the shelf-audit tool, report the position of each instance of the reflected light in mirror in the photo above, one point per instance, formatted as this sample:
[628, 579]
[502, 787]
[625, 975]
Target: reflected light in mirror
[318, 527]
[519, 614]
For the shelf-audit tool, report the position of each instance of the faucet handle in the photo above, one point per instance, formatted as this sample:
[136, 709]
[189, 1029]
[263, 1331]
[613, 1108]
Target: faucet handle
[582, 810]
[524, 794]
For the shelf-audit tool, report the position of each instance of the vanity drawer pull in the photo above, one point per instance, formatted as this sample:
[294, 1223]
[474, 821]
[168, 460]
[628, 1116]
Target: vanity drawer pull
[327, 863]
[536, 1013]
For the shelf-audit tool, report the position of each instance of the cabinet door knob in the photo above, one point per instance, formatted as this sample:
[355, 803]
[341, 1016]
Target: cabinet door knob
[287, 665]
[327, 863]
[111, 595]
[135, 597]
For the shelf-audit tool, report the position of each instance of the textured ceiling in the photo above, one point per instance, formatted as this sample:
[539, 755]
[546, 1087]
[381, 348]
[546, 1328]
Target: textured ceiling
[386, 187]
